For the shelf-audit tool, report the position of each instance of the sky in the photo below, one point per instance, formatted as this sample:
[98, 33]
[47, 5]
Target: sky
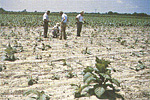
[101, 6]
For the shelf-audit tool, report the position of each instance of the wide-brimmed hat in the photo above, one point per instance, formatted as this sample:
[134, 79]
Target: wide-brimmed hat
[61, 12]
[82, 11]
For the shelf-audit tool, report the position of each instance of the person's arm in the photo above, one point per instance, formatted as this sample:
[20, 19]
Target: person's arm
[63, 20]
[49, 20]
[53, 28]
[77, 19]
[67, 19]
[84, 20]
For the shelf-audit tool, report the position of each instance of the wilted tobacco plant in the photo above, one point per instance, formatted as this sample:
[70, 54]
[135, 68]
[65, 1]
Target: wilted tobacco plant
[132, 46]
[97, 80]
[66, 45]
[2, 67]
[39, 39]
[45, 47]
[71, 74]
[86, 51]
[38, 56]
[55, 77]
[39, 95]
[147, 41]
[10, 53]
[136, 40]
[139, 66]
[64, 62]
[18, 46]
[123, 42]
[119, 39]
[32, 81]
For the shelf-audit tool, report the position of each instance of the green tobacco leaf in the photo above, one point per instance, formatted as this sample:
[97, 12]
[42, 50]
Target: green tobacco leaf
[110, 85]
[91, 91]
[88, 69]
[80, 88]
[44, 97]
[102, 61]
[100, 67]
[119, 96]
[84, 86]
[73, 84]
[34, 98]
[115, 82]
[98, 60]
[48, 46]
[140, 62]
[140, 66]
[99, 91]
[106, 76]
[88, 78]
[55, 77]
[30, 82]
[111, 94]
[1, 68]
[31, 91]
[108, 72]
[77, 95]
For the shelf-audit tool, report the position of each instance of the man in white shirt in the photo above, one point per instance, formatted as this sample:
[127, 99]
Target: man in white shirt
[55, 30]
[46, 20]
[64, 20]
[80, 20]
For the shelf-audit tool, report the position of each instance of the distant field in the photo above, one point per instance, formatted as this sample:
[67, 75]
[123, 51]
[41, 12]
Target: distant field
[20, 20]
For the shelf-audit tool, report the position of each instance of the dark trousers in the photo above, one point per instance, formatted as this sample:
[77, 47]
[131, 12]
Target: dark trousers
[63, 31]
[55, 33]
[45, 29]
[79, 27]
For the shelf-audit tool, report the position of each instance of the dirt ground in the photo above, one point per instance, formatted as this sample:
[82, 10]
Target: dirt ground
[102, 42]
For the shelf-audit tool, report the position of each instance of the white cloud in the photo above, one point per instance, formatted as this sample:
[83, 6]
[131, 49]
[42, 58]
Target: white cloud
[119, 1]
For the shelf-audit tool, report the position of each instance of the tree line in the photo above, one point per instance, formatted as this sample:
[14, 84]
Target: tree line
[2, 11]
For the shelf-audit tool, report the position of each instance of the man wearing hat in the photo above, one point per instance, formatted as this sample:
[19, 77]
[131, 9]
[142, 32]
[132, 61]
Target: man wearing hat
[46, 20]
[64, 20]
[80, 20]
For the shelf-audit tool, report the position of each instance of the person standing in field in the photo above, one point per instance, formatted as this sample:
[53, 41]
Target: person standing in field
[46, 20]
[80, 20]
[64, 20]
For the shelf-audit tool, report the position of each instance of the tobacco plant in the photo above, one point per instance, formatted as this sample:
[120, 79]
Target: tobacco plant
[96, 82]
[139, 66]
[10, 53]
[71, 74]
[86, 51]
[39, 95]
[2, 67]
[32, 81]
[55, 77]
